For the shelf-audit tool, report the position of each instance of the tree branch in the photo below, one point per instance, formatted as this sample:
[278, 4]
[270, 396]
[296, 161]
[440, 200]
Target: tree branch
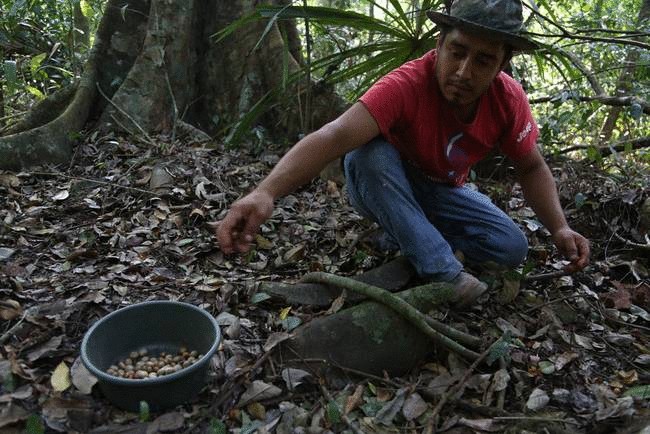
[605, 151]
[595, 85]
[571, 35]
[620, 101]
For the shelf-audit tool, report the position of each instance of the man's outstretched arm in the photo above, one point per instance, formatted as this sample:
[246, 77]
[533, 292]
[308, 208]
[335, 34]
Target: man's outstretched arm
[300, 165]
[540, 192]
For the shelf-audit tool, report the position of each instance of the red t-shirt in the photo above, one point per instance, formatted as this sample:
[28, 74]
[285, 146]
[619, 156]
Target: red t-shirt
[414, 117]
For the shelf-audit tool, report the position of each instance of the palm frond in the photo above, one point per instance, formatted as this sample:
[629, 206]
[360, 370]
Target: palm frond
[332, 16]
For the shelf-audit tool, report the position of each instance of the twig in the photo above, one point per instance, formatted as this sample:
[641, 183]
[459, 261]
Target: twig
[483, 410]
[620, 146]
[539, 306]
[536, 419]
[546, 276]
[96, 181]
[616, 101]
[6, 335]
[632, 244]
[566, 34]
[400, 306]
[346, 419]
[364, 374]
[433, 420]
[617, 321]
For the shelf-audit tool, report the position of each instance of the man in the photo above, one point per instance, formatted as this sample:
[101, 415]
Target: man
[410, 142]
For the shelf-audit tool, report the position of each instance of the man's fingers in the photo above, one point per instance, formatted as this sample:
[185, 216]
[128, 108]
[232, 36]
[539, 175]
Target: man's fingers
[227, 232]
[570, 249]
[583, 252]
[237, 230]
[577, 251]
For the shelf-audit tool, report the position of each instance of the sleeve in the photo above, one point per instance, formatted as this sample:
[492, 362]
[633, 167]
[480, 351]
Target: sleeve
[385, 100]
[523, 133]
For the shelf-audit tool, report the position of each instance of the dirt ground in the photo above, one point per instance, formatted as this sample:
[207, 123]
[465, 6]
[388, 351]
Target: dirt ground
[126, 223]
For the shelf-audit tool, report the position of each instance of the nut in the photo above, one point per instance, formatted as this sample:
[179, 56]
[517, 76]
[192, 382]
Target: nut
[142, 365]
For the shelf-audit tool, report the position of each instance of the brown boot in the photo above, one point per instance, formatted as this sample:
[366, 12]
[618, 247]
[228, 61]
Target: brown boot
[467, 289]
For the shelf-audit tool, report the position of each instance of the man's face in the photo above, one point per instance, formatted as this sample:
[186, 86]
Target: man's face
[466, 66]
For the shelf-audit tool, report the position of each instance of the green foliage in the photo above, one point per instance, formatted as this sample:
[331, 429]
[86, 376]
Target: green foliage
[371, 406]
[248, 426]
[10, 75]
[585, 47]
[375, 45]
[144, 414]
[34, 425]
[333, 413]
[642, 391]
[217, 427]
[291, 322]
[43, 44]
[501, 348]
[352, 49]
[9, 383]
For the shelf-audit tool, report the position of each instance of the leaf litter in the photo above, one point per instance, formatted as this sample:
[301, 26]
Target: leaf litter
[127, 224]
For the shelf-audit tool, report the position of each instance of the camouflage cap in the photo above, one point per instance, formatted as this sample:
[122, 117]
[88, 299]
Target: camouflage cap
[498, 19]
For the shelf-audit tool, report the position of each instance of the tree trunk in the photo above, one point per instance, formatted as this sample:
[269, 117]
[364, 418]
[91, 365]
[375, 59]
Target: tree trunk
[624, 82]
[81, 27]
[155, 66]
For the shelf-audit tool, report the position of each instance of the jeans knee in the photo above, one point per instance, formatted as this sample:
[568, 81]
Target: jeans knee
[512, 249]
[372, 159]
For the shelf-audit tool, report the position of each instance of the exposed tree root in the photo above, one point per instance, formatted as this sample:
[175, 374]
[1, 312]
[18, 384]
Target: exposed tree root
[44, 111]
[51, 142]
[48, 132]
[372, 337]
[417, 318]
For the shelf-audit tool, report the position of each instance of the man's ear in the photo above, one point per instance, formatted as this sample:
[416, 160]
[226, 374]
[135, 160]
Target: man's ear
[507, 57]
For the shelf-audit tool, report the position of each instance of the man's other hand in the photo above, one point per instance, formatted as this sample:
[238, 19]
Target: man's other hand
[574, 247]
[237, 230]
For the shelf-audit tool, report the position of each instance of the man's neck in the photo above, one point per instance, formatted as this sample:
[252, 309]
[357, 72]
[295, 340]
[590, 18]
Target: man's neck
[466, 113]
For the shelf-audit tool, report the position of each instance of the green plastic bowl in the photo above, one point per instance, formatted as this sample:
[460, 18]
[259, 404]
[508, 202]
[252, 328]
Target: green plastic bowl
[156, 326]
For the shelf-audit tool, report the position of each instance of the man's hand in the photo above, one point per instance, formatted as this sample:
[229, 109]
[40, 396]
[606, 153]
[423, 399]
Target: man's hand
[574, 247]
[237, 230]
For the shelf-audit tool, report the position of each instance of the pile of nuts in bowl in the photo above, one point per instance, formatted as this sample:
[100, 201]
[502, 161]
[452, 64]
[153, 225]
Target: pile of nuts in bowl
[139, 365]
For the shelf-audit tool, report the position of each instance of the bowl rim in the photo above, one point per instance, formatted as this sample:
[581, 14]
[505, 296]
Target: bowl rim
[107, 378]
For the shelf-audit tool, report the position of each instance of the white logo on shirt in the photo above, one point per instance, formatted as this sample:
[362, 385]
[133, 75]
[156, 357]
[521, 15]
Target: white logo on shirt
[525, 132]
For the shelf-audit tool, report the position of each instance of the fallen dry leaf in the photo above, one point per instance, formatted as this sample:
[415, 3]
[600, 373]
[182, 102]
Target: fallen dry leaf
[537, 400]
[10, 309]
[82, 379]
[355, 400]
[258, 391]
[61, 377]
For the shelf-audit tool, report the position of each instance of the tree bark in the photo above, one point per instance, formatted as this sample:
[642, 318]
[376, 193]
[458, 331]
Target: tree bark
[155, 66]
[50, 133]
[624, 82]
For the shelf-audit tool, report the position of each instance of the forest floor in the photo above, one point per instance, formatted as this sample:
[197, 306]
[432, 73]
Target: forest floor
[127, 223]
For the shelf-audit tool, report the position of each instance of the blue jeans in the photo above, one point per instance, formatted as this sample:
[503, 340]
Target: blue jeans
[429, 220]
